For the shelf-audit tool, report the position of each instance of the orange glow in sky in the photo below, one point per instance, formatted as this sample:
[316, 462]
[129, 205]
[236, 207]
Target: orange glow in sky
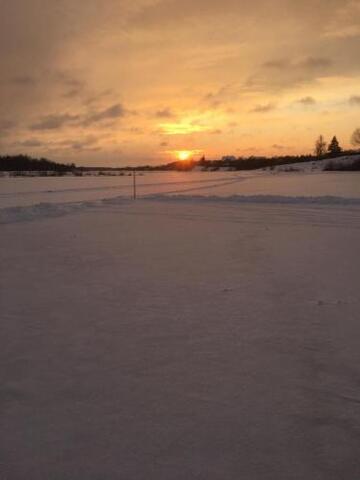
[126, 82]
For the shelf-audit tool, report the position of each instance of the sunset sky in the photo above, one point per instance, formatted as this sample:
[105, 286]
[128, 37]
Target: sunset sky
[118, 82]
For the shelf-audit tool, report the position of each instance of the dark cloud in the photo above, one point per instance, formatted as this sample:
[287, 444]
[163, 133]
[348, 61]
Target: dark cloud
[216, 131]
[269, 107]
[315, 63]
[175, 12]
[308, 63]
[135, 130]
[31, 142]
[73, 93]
[276, 146]
[24, 80]
[6, 125]
[288, 73]
[54, 122]
[73, 87]
[67, 79]
[57, 121]
[221, 96]
[354, 100]
[279, 64]
[97, 97]
[165, 113]
[110, 113]
[305, 63]
[307, 101]
[164, 144]
[87, 142]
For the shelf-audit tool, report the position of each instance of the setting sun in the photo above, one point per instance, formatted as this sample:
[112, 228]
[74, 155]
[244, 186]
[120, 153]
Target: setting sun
[184, 154]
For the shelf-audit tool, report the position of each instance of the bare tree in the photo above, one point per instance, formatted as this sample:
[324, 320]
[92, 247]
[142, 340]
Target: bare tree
[355, 138]
[320, 146]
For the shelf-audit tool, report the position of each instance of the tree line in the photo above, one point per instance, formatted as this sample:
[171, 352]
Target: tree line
[25, 163]
[333, 149]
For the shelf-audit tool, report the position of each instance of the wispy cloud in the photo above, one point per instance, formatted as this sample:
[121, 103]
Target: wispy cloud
[6, 125]
[31, 143]
[54, 122]
[284, 73]
[165, 113]
[266, 108]
[307, 101]
[276, 146]
[221, 96]
[354, 100]
[110, 113]
[24, 80]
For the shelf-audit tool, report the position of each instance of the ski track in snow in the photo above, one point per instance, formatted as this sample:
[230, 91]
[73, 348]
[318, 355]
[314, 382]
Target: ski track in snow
[214, 182]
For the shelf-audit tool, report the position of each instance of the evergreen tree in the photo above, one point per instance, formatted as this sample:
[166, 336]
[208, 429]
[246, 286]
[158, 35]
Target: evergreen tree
[334, 148]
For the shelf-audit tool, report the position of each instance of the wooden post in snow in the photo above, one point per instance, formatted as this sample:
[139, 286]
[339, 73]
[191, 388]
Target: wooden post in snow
[134, 184]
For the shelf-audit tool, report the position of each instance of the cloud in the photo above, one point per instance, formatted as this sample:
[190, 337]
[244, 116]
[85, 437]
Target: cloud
[97, 97]
[346, 31]
[345, 23]
[315, 63]
[165, 113]
[284, 73]
[221, 96]
[279, 64]
[113, 112]
[134, 130]
[304, 63]
[89, 141]
[67, 79]
[74, 92]
[31, 142]
[54, 122]
[174, 12]
[307, 101]
[276, 146]
[57, 121]
[6, 125]
[24, 80]
[269, 107]
[354, 100]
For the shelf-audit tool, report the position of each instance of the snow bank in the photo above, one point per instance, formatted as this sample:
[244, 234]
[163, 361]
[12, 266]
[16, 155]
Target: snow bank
[46, 210]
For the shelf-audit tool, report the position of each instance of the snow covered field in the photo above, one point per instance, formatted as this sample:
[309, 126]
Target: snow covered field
[23, 191]
[180, 338]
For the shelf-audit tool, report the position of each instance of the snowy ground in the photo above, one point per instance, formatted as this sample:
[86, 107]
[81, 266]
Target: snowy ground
[183, 338]
[15, 192]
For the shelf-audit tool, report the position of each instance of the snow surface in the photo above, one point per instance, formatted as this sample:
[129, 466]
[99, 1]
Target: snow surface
[30, 191]
[184, 337]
